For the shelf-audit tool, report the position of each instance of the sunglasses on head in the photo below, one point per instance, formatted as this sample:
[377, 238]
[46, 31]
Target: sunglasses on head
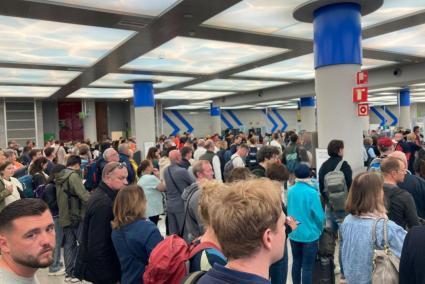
[117, 166]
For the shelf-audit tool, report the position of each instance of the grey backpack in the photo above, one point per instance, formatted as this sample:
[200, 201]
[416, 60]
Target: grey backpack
[336, 188]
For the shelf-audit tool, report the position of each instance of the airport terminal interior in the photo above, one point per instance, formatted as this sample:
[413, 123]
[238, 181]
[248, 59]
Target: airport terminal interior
[322, 81]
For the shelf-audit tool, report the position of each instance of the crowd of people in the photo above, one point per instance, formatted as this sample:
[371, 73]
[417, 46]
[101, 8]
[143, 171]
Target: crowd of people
[230, 205]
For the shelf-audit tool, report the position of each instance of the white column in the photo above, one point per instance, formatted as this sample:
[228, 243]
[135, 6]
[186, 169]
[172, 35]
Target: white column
[336, 113]
[89, 122]
[308, 114]
[215, 119]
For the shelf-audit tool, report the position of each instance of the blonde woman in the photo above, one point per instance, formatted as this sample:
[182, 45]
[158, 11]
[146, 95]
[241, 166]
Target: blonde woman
[133, 235]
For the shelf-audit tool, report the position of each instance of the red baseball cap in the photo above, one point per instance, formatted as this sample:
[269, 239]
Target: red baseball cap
[385, 142]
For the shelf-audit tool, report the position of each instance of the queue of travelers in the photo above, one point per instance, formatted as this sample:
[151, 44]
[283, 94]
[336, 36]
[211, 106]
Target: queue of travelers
[231, 207]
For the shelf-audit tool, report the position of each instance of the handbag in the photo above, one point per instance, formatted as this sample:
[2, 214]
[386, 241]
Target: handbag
[385, 264]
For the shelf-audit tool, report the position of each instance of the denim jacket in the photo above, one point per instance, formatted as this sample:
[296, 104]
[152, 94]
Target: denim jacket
[357, 246]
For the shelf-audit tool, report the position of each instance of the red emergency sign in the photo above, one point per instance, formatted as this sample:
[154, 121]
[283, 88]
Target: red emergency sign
[362, 77]
[363, 109]
[360, 94]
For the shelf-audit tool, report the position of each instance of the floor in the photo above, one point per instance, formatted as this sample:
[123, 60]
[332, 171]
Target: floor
[45, 279]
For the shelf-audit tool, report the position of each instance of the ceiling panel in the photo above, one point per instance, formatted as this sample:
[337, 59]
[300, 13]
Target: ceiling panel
[393, 9]
[183, 54]
[275, 16]
[36, 76]
[26, 92]
[296, 68]
[190, 95]
[188, 107]
[408, 41]
[301, 67]
[35, 41]
[236, 85]
[117, 80]
[259, 16]
[139, 7]
[102, 93]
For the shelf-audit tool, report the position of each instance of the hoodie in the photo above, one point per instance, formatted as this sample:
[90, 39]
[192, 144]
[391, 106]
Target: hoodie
[193, 225]
[71, 196]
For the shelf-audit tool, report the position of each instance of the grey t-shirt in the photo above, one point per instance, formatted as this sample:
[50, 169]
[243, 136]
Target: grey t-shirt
[7, 277]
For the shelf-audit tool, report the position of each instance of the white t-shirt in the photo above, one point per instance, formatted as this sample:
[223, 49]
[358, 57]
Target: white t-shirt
[276, 144]
[237, 161]
[7, 277]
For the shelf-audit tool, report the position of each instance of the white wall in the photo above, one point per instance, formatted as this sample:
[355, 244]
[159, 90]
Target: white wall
[201, 122]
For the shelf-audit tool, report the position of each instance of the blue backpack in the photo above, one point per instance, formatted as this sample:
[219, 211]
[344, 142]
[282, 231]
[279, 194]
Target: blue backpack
[91, 176]
[292, 160]
[27, 185]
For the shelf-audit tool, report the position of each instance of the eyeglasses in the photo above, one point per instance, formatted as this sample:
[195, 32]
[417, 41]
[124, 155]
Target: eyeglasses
[116, 166]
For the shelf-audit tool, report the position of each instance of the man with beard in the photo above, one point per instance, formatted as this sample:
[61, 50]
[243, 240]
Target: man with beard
[27, 241]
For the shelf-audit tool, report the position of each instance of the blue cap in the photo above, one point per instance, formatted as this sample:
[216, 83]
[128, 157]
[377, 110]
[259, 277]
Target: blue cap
[302, 171]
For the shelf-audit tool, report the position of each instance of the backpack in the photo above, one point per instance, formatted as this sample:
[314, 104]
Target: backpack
[369, 157]
[336, 188]
[228, 167]
[27, 185]
[91, 175]
[375, 165]
[193, 277]
[39, 191]
[169, 260]
[292, 160]
[227, 155]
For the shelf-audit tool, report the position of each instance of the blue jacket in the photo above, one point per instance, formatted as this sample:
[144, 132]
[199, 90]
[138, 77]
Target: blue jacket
[134, 243]
[356, 246]
[304, 205]
[124, 159]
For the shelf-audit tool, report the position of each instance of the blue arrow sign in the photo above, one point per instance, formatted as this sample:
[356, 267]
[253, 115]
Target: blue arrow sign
[176, 129]
[226, 121]
[379, 115]
[233, 116]
[183, 120]
[284, 123]
[271, 120]
[392, 115]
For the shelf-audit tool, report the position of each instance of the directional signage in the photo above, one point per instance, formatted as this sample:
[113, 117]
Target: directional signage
[360, 94]
[363, 109]
[362, 77]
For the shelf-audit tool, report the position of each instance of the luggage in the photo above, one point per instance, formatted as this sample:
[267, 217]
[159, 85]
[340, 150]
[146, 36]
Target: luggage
[323, 272]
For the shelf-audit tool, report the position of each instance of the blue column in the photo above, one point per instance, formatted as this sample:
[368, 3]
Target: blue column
[404, 102]
[143, 94]
[337, 35]
[404, 97]
[337, 59]
[307, 102]
[215, 113]
[214, 110]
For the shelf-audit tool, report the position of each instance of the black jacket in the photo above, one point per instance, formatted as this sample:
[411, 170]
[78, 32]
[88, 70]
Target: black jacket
[412, 261]
[401, 207]
[328, 166]
[416, 187]
[97, 260]
[259, 171]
